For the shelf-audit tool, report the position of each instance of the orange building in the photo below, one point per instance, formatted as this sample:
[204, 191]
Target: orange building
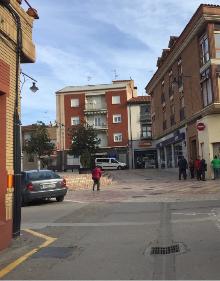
[16, 47]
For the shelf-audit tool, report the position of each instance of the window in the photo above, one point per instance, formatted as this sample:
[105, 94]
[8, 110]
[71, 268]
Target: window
[146, 132]
[74, 102]
[118, 137]
[206, 88]
[164, 120]
[217, 45]
[75, 120]
[170, 83]
[117, 118]
[182, 109]
[180, 73]
[116, 100]
[204, 49]
[97, 121]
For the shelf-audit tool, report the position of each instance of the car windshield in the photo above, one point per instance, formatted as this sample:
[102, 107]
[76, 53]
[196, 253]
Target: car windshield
[42, 175]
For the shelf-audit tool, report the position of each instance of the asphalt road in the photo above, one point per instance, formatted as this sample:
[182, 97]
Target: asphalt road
[124, 240]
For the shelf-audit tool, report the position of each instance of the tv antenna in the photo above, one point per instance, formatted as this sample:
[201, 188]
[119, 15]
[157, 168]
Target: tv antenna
[115, 74]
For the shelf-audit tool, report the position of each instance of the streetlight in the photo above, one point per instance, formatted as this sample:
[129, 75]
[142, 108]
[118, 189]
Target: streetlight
[33, 89]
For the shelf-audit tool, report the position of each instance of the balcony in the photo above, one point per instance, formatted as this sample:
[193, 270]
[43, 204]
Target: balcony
[145, 117]
[102, 127]
[92, 109]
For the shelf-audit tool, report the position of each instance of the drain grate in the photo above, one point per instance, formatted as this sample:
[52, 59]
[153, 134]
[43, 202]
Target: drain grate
[165, 250]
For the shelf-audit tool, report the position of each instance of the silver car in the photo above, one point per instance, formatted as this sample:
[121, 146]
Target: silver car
[41, 184]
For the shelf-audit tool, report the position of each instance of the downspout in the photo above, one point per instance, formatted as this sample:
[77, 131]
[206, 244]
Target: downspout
[16, 127]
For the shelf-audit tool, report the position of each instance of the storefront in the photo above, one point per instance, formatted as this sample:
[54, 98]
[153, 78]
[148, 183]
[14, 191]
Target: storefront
[171, 148]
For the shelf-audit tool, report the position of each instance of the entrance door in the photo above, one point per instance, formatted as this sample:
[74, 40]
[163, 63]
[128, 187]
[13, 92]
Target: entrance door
[193, 149]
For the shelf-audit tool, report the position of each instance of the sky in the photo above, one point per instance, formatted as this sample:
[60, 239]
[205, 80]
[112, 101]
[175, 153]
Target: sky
[97, 41]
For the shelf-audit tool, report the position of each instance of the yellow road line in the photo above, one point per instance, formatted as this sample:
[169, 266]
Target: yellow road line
[21, 259]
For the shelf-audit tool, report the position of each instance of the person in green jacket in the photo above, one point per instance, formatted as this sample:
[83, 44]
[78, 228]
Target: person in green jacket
[216, 167]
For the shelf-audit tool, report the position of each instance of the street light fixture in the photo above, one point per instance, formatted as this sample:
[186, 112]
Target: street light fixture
[33, 88]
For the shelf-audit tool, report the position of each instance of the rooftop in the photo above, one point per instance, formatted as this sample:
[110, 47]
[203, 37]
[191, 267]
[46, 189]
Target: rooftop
[140, 99]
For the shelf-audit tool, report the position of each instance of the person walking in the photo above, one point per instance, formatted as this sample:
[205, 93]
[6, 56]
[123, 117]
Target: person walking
[216, 166]
[191, 168]
[96, 175]
[197, 168]
[203, 169]
[182, 164]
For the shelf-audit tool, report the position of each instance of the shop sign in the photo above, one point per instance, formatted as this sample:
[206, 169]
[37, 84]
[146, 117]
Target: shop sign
[200, 126]
[145, 143]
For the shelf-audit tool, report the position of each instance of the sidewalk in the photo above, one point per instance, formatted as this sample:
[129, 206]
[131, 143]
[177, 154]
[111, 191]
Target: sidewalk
[148, 185]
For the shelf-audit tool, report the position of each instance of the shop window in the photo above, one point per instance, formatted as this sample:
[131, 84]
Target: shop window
[178, 153]
[204, 49]
[206, 88]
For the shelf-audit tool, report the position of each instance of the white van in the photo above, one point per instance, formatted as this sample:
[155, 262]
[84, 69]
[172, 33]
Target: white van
[109, 163]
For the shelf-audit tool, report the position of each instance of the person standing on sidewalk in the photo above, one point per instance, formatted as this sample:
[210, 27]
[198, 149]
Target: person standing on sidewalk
[182, 164]
[203, 169]
[197, 168]
[191, 168]
[216, 166]
[96, 175]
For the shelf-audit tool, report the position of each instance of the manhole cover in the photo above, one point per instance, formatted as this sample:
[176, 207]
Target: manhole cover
[165, 250]
[138, 196]
[126, 188]
[55, 252]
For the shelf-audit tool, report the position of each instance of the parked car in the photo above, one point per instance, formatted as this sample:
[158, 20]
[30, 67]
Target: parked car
[110, 163]
[42, 184]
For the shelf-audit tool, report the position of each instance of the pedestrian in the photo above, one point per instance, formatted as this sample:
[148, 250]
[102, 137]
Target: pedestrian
[203, 169]
[182, 164]
[197, 164]
[216, 166]
[191, 168]
[96, 175]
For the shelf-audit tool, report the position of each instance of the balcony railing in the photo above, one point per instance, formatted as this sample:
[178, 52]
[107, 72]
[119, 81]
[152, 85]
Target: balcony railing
[145, 117]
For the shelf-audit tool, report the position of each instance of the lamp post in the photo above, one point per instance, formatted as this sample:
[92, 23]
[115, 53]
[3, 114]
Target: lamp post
[61, 127]
[33, 89]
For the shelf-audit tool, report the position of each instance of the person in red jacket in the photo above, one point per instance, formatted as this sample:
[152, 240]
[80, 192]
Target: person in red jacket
[197, 168]
[96, 175]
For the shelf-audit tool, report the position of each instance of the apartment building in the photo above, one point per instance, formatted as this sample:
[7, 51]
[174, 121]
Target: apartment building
[142, 152]
[103, 106]
[185, 92]
[14, 24]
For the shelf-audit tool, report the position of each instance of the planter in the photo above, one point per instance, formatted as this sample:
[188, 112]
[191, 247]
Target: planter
[84, 171]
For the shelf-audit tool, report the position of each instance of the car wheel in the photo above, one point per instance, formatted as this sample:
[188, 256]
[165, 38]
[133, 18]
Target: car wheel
[60, 198]
[119, 168]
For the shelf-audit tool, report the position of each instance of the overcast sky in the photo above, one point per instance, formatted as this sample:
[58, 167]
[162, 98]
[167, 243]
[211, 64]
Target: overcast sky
[90, 41]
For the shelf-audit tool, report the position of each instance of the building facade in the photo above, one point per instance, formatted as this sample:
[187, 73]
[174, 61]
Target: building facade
[104, 107]
[30, 162]
[185, 92]
[9, 80]
[142, 152]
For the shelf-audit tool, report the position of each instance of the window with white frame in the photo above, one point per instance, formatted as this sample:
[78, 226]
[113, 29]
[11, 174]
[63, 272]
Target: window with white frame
[116, 100]
[204, 49]
[117, 118]
[217, 45]
[118, 137]
[74, 102]
[97, 121]
[75, 120]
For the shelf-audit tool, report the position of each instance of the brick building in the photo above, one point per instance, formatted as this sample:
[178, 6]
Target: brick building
[142, 152]
[104, 107]
[185, 92]
[9, 86]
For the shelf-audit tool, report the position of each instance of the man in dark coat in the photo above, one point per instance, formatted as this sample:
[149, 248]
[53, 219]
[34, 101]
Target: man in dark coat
[182, 164]
[203, 169]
